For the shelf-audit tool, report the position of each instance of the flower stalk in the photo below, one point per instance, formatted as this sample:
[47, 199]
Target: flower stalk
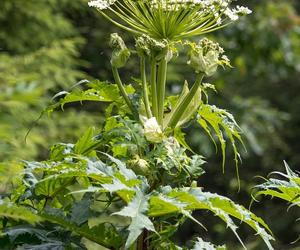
[121, 88]
[161, 88]
[153, 73]
[145, 87]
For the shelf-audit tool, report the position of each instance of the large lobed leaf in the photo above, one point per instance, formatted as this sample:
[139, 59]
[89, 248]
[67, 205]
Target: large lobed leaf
[12, 211]
[137, 210]
[200, 244]
[173, 201]
[97, 91]
[220, 122]
[288, 190]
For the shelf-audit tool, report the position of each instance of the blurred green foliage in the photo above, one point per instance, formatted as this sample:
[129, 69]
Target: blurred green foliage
[47, 46]
[40, 54]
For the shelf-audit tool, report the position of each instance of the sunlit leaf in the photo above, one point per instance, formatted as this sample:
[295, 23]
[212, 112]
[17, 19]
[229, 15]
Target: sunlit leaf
[220, 122]
[137, 210]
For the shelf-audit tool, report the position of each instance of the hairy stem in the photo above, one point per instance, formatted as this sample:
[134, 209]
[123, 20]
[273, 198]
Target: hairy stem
[121, 88]
[154, 88]
[161, 88]
[145, 87]
[185, 102]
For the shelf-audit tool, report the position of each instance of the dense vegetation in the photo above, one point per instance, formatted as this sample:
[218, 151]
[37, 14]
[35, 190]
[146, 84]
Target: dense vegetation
[48, 46]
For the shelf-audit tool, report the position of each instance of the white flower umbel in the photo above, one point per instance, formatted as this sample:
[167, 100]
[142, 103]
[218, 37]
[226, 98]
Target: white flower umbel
[170, 19]
[152, 130]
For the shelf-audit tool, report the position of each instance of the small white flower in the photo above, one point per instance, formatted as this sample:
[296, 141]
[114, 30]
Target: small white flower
[241, 10]
[152, 131]
[101, 4]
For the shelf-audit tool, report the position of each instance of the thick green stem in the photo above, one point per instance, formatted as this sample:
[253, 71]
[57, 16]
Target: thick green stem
[154, 88]
[185, 102]
[121, 88]
[161, 88]
[145, 88]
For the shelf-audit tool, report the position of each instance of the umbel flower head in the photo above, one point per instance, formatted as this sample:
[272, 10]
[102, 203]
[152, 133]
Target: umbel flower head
[170, 19]
[205, 57]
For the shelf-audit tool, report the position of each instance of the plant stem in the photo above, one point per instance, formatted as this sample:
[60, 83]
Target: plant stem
[154, 88]
[142, 241]
[161, 88]
[185, 102]
[121, 88]
[145, 88]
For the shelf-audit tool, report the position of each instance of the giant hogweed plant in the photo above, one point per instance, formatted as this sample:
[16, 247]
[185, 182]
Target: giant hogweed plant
[132, 183]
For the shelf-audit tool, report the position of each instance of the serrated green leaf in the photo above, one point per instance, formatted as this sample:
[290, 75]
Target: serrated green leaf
[52, 185]
[80, 211]
[220, 121]
[137, 210]
[94, 234]
[61, 150]
[116, 186]
[28, 231]
[86, 143]
[196, 199]
[200, 244]
[165, 205]
[98, 91]
[127, 173]
[288, 190]
[180, 137]
[12, 211]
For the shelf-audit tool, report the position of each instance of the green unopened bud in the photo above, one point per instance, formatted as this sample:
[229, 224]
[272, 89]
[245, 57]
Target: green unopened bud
[205, 57]
[139, 166]
[156, 49]
[152, 130]
[120, 52]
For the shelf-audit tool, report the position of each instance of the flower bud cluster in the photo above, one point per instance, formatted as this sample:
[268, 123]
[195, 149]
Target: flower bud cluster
[153, 131]
[153, 48]
[139, 165]
[120, 52]
[206, 56]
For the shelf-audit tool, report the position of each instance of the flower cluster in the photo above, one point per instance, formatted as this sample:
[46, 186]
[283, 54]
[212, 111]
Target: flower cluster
[152, 130]
[155, 49]
[101, 4]
[170, 19]
[205, 57]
